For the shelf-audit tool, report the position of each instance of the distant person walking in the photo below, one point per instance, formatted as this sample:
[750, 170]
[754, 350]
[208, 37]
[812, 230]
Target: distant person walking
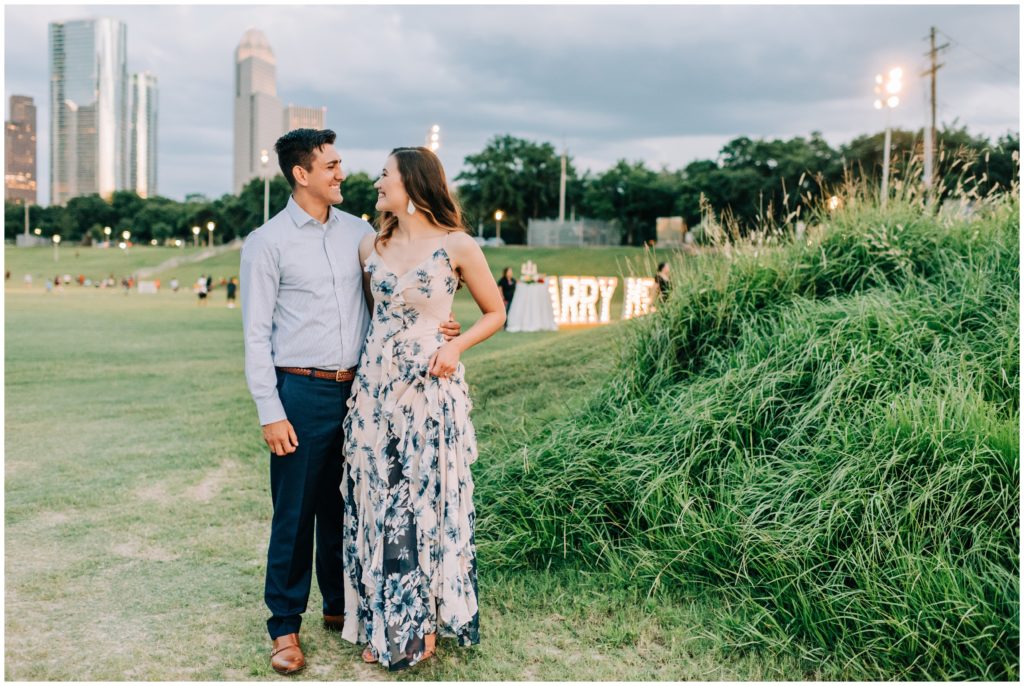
[232, 288]
[201, 289]
[664, 280]
[174, 284]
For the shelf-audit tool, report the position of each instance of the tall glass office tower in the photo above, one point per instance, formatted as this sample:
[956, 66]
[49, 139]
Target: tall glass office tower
[88, 108]
[142, 108]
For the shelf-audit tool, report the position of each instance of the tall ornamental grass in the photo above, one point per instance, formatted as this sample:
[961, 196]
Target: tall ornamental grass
[823, 433]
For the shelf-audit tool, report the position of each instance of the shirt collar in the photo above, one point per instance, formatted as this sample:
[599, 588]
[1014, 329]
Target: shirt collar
[301, 217]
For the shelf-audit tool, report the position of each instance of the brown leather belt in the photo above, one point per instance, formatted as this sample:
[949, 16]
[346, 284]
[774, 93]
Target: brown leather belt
[341, 376]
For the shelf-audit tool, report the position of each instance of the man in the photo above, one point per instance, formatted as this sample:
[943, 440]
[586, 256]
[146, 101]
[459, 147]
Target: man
[305, 318]
[232, 286]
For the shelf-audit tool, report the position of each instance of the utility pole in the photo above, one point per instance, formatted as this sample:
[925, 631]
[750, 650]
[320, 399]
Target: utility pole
[930, 139]
[561, 192]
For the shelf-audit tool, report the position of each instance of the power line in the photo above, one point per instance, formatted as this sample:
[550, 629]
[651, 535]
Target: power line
[978, 54]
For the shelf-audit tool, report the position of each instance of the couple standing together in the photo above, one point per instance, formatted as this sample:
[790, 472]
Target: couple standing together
[352, 357]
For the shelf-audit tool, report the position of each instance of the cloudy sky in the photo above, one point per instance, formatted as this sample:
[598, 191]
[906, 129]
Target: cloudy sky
[663, 84]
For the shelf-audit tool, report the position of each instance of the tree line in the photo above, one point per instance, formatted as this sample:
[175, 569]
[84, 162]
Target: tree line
[754, 180]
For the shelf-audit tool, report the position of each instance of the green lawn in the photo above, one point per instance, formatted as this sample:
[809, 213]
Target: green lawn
[137, 505]
[138, 509]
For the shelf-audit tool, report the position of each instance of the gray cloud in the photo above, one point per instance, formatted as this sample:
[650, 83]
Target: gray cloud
[661, 83]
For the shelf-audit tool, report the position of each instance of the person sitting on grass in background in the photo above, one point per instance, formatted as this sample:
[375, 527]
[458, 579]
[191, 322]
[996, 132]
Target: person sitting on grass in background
[664, 280]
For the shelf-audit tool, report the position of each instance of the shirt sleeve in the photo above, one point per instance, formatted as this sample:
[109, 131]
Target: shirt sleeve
[260, 277]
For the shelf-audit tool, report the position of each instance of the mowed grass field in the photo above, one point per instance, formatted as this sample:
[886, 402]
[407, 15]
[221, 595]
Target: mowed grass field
[97, 263]
[138, 508]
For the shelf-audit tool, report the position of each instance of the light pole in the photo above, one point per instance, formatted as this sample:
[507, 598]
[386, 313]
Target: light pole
[498, 216]
[106, 232]
[195, 235]
[126, 235]
[264, 158]
[434, 138]
[210, 226]
[56, 247]
[887, 90]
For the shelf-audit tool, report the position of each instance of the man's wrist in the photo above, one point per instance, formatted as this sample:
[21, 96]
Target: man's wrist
[270, 410]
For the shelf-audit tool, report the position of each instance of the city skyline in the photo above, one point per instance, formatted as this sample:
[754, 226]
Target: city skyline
[103, 119]
[88, 119]
[661, 84]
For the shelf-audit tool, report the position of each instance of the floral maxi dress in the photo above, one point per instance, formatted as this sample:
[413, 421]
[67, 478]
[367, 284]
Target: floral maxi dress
[410, 554]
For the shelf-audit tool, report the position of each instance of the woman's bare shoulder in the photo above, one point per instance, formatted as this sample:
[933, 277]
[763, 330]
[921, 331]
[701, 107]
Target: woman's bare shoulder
[461, 242]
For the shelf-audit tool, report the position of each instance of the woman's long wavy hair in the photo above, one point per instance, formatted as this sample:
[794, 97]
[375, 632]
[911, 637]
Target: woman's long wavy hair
[425, 182]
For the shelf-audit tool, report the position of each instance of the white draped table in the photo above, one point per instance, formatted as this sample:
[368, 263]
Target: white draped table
[531, 309]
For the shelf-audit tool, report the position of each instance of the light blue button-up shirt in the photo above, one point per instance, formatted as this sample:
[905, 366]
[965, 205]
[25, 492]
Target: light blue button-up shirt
[302, 299]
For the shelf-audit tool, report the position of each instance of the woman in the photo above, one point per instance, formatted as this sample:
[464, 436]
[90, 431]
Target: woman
[410, 555]
[507, 284]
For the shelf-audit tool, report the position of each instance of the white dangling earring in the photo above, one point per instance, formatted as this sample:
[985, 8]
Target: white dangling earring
[410, 208]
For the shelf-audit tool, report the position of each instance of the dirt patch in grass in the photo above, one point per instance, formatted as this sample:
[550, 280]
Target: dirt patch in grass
[211, 485]
[156, 492]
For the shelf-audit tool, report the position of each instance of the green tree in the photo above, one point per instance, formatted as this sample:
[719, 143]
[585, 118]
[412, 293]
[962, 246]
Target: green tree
[84, 211]
[517, 176]
[632, 196]
[157, 212]
[360, 196]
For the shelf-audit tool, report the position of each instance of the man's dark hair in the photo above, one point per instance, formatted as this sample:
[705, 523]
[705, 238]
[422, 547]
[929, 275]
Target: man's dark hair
[661, 265]
[296, 148]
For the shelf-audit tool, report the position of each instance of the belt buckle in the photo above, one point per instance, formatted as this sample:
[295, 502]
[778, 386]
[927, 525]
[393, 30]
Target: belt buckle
[337, 375]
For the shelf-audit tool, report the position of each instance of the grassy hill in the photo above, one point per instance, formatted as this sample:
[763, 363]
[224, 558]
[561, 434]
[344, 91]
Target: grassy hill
[824, 435]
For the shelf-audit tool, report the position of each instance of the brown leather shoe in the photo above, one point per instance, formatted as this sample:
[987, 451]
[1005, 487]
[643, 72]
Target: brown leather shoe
[286, 656]
[334, 622]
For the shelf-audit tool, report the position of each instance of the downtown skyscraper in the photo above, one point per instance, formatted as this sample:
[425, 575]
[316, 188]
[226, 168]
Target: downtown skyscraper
[102, 124]
[259, 118]
[299, 117]
[258, 111]
[20, 151]
[142, 112]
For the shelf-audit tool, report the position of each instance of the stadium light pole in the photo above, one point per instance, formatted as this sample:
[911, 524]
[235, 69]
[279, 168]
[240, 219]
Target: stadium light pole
[56, 247]
[106, 232]
[434, 138]
[887, 92]
[210, 226]
[498, 216]
[195, 235]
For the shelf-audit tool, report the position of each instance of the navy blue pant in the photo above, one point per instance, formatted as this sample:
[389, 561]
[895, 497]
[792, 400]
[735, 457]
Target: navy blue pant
[305, 487]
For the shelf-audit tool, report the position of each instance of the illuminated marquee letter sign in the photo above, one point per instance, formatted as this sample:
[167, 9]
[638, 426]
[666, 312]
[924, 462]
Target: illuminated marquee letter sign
[639, 297]
[575, 299]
